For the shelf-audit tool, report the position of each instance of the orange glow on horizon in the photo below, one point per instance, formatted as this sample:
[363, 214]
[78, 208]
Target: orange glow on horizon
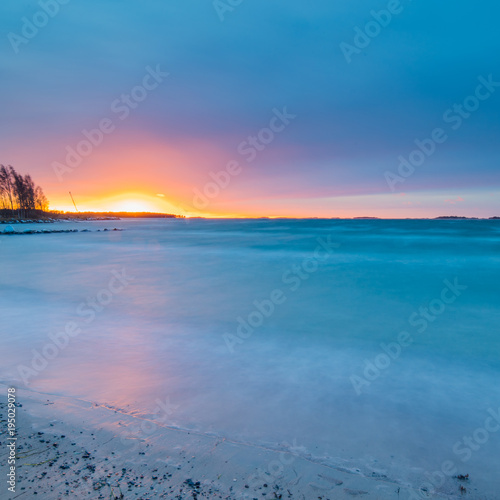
[138, 173]
[126, 202]
[345, 207]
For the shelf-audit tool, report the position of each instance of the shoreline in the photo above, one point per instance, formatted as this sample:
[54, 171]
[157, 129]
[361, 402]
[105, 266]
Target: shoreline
[9, 231]
[68, 447]
[52, 221]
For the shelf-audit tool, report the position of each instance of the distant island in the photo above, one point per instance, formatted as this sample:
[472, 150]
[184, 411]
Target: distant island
[462, 217]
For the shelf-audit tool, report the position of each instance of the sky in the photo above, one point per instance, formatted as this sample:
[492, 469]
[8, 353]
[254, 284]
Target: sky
[250, 108]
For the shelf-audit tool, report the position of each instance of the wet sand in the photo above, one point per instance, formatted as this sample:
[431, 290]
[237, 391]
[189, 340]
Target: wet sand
[68, 448]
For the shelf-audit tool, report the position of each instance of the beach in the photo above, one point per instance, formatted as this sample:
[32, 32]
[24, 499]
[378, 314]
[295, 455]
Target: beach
[69, 448]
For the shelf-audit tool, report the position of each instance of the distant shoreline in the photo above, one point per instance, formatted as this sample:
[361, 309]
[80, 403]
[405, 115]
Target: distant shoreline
[50, 217]
[47, 217]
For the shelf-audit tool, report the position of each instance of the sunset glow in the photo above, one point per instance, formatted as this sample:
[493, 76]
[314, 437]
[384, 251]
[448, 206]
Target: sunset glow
[250, 249]
[349, 139]
[126, 202]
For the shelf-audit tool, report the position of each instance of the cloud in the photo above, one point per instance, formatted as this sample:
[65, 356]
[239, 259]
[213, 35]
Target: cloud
[459, 199]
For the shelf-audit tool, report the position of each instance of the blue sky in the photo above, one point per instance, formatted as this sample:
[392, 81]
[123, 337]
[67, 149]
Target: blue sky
[353, 119]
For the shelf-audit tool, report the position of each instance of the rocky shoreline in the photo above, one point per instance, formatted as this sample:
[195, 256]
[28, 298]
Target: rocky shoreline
[10, 231]
[51, 221]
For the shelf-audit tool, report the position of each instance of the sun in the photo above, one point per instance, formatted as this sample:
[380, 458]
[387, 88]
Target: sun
[133, 206]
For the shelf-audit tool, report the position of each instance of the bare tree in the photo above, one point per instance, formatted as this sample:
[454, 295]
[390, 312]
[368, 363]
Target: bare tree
[7, 184]
[41, 202]
[18, 192]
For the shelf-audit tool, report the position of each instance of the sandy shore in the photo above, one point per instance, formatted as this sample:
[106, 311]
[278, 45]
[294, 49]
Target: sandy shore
[68, 448]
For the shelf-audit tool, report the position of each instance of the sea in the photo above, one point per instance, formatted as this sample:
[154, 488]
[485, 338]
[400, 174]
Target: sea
[369, 345]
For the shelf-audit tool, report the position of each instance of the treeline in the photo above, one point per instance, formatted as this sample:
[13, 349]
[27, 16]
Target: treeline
[127, 215]
[19, 196]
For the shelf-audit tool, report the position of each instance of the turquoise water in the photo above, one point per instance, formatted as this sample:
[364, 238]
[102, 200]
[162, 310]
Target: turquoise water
[323, 296]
